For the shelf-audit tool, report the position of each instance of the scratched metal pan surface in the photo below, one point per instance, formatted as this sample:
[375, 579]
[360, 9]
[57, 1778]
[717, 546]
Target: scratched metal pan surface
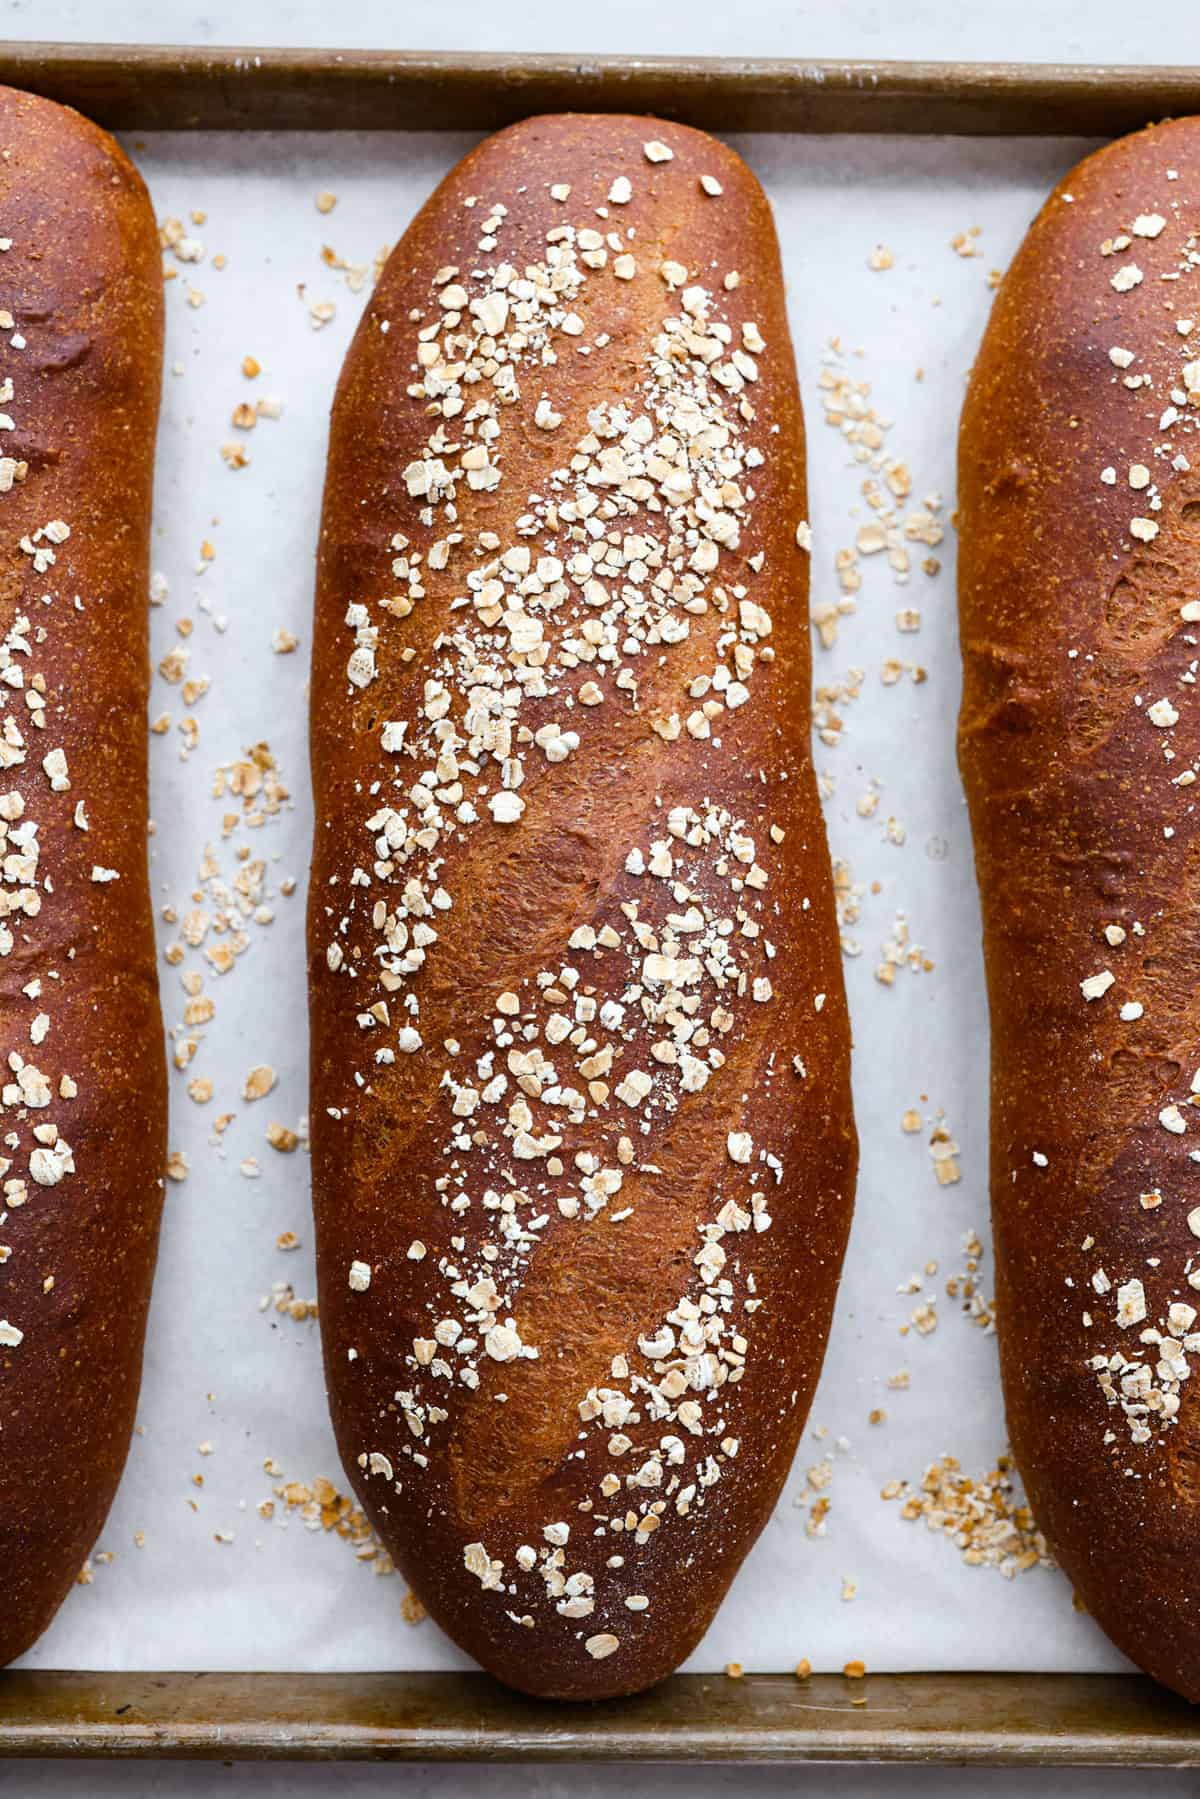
[164, 87]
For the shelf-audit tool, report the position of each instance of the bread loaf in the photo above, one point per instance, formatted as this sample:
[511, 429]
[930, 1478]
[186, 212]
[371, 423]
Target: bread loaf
[582, 1142]
[83, 1102]
[1079, 499]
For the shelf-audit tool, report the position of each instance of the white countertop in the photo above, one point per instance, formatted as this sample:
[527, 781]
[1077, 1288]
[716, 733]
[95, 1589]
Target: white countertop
[283, 1780]
[1061, 31]
[1072, 30]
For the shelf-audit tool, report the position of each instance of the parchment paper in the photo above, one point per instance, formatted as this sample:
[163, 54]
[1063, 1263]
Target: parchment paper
[216, 1585]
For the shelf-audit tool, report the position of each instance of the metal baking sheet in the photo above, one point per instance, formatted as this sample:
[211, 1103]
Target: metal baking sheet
[1012, 1720]
[889, 246]
[142, 87]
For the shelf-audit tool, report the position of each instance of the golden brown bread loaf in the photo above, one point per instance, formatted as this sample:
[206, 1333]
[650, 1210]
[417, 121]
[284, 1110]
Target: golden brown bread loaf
[583, 1149]
[1079, 499]
[83, 1102]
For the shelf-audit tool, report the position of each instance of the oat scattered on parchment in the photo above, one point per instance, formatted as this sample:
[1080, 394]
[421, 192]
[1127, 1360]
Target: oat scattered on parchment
[99, 1558]
[245, 417]
[259, 1081]
[965, 1287]
[985, 1517]
[897, 524]
[181, 249]
[923, 1319]
[284, 1139]
[899, 951]
[814, 1498]
[229, 901]
[944, 1153]
[283, 1299]
[321, 1507]
[829, 696]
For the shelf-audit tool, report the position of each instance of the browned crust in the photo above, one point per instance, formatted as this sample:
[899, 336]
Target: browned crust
[83, 283]
[1071, 631]
[518, 892]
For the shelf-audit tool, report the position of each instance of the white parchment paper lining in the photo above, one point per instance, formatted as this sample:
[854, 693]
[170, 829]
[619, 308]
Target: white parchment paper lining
[222, 1371]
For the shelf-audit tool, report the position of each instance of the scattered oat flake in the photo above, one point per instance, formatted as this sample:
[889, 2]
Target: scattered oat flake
[944, 1152]
[259, 1082]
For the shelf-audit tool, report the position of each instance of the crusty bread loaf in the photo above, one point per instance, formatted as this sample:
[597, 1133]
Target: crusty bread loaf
[1079, 499]
[583, 1149]
[80, 362]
